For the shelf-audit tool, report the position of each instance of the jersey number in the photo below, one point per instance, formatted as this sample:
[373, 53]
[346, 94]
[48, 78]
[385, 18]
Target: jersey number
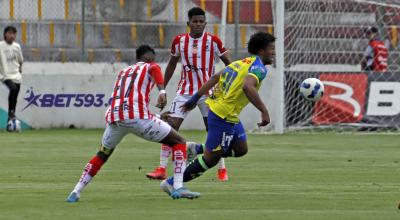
[229, 76]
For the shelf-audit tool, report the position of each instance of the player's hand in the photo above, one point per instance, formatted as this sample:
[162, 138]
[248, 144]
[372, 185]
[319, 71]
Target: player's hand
[162, 101]
[265, 120]
[190, 104]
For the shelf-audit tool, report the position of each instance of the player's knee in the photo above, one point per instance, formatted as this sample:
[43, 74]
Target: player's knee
[104, 153]
[241, 152]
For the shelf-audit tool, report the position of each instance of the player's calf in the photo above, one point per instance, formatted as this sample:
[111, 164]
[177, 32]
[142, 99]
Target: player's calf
[91, 169]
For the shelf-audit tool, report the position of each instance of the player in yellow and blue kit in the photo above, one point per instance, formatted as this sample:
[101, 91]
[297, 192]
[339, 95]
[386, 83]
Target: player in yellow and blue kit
[235, 87]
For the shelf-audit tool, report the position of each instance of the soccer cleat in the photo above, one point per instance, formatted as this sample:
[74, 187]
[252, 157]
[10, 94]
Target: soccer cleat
[223, 175]
[191, 151]
[73, 197]
[158, 174]
[184, 193]
[166, 187]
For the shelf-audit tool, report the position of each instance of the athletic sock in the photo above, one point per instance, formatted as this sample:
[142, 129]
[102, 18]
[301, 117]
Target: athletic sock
[90, 171]
[200, 148]
[164, 154]
[221, 164]
[179, 159]
[195, 169]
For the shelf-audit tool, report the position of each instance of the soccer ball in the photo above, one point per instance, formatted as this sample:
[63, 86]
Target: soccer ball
[14, 125]
[312, 89]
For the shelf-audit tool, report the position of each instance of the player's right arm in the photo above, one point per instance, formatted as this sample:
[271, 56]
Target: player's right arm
[251, 92]
[173, 60]
[169, 71]
[156, 74]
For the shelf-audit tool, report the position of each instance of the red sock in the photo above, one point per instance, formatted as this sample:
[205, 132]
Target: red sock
[179, 159]
[94, 165]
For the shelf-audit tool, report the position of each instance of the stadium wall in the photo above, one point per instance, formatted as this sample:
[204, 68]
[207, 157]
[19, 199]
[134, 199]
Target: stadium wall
[60, 95]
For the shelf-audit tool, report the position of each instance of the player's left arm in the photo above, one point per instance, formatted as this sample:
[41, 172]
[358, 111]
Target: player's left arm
[225, 58]
[192, 102]
[250, 90]
[156, 74]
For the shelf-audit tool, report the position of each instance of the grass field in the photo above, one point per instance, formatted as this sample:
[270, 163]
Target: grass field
[297, 176]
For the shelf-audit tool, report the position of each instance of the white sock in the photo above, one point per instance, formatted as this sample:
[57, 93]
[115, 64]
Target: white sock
[221, 164]
[179, 167]
[83, 181]
[164, 155]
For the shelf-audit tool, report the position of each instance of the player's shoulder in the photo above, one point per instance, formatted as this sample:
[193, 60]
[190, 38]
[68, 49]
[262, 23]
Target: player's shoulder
[178, 37]
[214, 37]
[153, 65]
[15, 44]
[257, 67]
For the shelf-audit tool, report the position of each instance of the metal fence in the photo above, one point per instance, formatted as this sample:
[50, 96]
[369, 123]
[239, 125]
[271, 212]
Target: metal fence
[109, 31]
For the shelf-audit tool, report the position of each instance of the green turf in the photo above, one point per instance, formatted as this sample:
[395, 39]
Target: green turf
[297, 176]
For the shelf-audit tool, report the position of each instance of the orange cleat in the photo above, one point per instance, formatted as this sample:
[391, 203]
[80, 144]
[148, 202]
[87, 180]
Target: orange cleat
[223, 175]
[158, 174]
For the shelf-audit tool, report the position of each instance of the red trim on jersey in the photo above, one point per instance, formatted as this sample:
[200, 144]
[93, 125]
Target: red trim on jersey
[147, 98]
[140, 96]
[211, 61]
[114, 95]
[131, 111]
[187, 74]
[221, 48]
[122, 95]
[203, 58]
[175, 42]
[156, 73]
[194, 59]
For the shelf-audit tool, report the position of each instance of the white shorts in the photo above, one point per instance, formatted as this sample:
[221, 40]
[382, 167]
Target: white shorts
[179, 100]
[154, 130]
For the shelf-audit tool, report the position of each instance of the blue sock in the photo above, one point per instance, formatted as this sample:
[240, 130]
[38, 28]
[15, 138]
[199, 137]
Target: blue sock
[170, 180]
[200, 148]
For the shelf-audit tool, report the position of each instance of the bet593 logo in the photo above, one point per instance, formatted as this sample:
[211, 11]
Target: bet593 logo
[65, 100]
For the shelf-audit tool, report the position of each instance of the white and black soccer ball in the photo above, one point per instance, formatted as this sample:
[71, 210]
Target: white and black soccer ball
[14, 125]
[312, 89]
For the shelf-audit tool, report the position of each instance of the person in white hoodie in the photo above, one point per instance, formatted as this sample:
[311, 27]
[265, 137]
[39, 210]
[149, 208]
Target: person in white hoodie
[11, 67]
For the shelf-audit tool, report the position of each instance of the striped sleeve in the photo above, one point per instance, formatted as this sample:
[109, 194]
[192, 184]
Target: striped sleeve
[175, 46]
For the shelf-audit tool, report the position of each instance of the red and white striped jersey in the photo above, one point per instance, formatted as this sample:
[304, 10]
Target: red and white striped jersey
[131, 95]
[197, 56]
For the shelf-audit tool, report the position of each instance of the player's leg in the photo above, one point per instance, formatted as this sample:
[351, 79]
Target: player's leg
[156, 130]
[219, 136]
[222, 173]
[175, 119]
[238, 147]
[12, 97]
[113, 134]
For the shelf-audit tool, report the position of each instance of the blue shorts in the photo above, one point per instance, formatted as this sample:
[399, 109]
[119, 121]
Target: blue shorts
[222, 134]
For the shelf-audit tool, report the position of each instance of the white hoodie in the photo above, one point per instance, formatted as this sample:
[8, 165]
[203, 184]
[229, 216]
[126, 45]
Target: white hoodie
[10, 61]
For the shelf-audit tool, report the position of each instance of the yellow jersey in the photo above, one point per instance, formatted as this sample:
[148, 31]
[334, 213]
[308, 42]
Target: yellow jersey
[228, 99]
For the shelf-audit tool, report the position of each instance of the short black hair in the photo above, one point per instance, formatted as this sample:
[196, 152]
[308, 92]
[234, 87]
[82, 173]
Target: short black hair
[258, 41]
[142, 49]
[196, 11]
[9, 28]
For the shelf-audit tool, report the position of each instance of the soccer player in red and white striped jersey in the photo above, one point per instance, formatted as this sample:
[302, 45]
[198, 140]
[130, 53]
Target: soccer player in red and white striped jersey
[129, 113]
[197, 52]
